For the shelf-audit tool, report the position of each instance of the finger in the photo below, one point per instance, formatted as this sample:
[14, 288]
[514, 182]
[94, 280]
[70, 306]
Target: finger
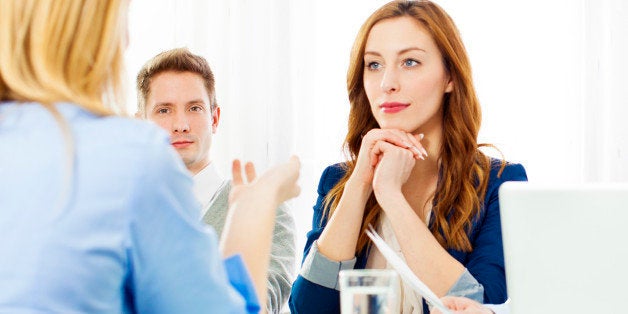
[462, 304]
[378, 151]
[375, 152]
[392, 136]
[397, 138]
[249, 170]
[294, 160]
[415, 148]
[375, 160]
[296, 164]
[419, 138]
[384, 146]
[373, 157]
[449, 302]
[236, 172]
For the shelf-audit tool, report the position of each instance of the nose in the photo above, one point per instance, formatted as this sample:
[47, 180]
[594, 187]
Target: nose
[180, 124]
[390, 81]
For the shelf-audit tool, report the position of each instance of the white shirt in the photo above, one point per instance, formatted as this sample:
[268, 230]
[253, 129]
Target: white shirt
[206, 184]
[411, 301]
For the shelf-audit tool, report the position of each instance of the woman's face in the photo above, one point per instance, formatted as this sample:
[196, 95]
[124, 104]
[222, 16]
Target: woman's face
[404, 76]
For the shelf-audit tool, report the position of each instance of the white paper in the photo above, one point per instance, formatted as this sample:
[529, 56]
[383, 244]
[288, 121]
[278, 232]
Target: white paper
[405, 272]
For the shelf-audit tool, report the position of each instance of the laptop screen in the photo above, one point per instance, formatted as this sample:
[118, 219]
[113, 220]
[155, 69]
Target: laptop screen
[565, 247]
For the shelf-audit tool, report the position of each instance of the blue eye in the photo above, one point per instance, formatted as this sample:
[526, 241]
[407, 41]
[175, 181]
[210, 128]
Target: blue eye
[410, 63]
[374, 66]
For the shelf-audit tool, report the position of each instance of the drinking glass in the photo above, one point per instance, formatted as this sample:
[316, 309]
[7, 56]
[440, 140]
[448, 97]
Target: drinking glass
[369, 291]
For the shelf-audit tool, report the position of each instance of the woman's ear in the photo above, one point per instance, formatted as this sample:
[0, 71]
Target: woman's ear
[450, 85]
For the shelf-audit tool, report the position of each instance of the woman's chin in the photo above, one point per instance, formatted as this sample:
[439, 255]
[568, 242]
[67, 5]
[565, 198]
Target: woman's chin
[399, 127]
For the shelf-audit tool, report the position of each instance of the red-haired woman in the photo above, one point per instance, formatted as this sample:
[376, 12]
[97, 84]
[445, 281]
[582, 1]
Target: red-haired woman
[415, 170]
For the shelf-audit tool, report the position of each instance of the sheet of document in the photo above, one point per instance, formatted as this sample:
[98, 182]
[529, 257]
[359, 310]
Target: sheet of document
[405, 272]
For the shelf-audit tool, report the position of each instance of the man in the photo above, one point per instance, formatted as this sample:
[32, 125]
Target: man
[176, 91]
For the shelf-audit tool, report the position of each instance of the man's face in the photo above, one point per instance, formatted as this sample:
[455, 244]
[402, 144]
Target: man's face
[179, 103]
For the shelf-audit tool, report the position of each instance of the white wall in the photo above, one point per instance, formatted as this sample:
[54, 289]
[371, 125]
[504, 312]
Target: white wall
[527, 60]
[606, 134]
[549, 73]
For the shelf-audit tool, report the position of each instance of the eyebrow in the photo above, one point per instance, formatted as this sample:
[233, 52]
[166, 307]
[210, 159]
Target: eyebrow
[170, 104]
[402, 51]
[163, 104]
[196, 101]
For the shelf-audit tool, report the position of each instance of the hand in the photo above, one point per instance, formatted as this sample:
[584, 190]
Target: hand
[239, 184]
[276, 185]
[283, 178]
[392, 171]
[462, 305]
[251, 218]
[368, 160]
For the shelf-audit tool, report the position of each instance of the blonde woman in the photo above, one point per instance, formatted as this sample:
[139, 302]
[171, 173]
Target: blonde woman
[97, 213]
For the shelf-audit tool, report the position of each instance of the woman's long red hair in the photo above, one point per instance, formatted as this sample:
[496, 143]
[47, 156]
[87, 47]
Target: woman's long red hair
[464, 169]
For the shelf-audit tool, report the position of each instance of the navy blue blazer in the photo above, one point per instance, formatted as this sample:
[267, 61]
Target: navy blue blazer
[485, 262]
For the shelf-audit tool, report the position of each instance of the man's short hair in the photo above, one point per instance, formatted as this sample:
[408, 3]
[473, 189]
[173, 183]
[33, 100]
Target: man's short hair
[176, 60]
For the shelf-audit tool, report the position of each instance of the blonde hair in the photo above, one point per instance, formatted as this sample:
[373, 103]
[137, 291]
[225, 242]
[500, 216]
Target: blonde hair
[63, 51]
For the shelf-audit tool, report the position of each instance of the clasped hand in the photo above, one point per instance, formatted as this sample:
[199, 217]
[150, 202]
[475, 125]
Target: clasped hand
[386, 159]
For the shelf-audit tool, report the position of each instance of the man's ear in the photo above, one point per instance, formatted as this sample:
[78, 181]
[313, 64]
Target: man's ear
[215, 119]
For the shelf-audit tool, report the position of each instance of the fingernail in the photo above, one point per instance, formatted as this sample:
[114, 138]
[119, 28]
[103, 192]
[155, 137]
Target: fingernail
[416, 150]
[421, 136]
[424, 151]
[407, 145]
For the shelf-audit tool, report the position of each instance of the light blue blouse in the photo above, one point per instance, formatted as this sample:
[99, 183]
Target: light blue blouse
[115, 231]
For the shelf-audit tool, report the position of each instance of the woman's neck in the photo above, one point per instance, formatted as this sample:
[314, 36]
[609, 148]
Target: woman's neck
[421, 185]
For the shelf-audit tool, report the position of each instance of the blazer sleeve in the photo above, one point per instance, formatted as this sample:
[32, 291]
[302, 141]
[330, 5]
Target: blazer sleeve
[308, 296]
[486, 261]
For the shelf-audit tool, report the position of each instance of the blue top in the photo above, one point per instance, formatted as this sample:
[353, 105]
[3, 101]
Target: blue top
[316, 288]
[117, 232]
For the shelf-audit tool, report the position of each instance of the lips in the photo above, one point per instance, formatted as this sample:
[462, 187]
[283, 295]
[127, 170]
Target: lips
[181, 143]
[393, 107]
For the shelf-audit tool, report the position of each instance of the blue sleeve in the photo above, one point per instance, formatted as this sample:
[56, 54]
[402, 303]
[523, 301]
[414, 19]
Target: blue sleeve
[486, 261]
[174, 262]
[240, 279]
[306, 296]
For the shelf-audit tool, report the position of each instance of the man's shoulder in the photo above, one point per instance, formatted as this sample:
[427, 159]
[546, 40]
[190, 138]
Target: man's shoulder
[216, 213]
[220, 200]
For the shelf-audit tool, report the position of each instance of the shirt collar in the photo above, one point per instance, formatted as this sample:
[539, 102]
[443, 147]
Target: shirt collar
[206, 184]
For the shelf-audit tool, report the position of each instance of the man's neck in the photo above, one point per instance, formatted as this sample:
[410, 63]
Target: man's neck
[195, 169]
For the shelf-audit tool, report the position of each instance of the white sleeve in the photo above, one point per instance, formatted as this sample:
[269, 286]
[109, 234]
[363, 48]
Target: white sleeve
[503, 308]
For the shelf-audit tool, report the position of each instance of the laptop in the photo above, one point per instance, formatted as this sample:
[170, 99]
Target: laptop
[565, 247]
